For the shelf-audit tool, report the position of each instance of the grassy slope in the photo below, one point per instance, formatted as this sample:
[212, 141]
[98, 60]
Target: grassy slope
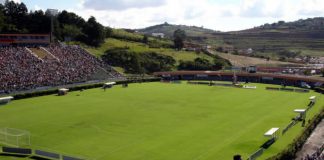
[168, 30]
[244, 61]
[140, 47]
[272, 41]
[158, 121]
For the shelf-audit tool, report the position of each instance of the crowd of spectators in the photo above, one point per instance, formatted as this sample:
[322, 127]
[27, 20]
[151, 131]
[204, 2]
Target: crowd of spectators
[21, 70]
[318, 155]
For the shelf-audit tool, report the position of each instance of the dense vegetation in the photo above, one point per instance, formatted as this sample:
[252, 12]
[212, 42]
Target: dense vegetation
[202, 64]
[302, 24]
[130, 35]
[15, 18]
[179, 36]
[147, 62]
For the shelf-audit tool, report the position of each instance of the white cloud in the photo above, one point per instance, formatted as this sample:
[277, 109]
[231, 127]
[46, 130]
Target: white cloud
[36, 7]
[215, 15]
[121, 4]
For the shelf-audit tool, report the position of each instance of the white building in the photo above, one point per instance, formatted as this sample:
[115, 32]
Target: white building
[159, 35]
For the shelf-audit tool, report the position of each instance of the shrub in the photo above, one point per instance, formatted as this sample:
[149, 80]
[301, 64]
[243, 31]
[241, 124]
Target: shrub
[147, 62]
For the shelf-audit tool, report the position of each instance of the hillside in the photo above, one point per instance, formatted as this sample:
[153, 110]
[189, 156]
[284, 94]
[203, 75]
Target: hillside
[302, 24]
[243, 61]
[306, 36]
[168, 29]
[113, 43]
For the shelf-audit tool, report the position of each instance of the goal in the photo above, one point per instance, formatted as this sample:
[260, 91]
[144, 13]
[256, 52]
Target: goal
[14, 137]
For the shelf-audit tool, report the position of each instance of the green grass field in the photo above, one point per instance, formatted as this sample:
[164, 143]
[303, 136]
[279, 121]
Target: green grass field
[156, 121]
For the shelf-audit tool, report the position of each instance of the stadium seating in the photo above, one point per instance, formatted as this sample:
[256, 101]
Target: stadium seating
[21, 70]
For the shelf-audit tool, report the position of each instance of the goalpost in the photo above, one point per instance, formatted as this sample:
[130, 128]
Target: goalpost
[14, 137]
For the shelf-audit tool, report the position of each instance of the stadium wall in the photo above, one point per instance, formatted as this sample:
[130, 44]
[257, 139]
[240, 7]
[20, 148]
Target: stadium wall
[79, 87]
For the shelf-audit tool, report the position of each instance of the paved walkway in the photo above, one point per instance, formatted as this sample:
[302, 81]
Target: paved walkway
[315, 141]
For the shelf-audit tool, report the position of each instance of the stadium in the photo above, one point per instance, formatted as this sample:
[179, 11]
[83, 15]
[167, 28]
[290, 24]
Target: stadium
[159, 121]
[65, 97]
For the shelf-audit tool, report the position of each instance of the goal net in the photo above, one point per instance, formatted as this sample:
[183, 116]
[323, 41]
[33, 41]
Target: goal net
[14, 137]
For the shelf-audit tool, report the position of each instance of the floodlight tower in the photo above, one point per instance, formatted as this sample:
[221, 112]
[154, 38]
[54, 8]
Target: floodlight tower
[52, 13]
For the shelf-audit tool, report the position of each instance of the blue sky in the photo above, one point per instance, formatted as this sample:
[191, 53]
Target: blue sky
[224, 15]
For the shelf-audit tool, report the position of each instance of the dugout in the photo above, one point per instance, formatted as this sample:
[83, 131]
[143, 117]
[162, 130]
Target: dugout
[272, 133]
[302, 114]
[5, 100]
[312, 99]
[108, 85]
[63, 91]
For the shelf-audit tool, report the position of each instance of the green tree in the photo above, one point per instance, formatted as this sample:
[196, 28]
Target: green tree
[94, 33]
[146, 62]
[218, 64]
[179, 37]
[16, 16]
[108, 32]
[70, 18]
[71, 31]
[202, 64]
[186, 65]
[35, 19]
[2, 17]
[145, 39]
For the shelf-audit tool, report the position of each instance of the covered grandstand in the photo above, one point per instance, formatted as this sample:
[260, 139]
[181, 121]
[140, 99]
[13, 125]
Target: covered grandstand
[24, 40]
[291, 80]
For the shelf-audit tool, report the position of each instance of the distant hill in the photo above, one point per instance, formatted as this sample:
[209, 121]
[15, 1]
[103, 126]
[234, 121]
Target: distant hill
[168, 29]
[306, 36]
[302, 24]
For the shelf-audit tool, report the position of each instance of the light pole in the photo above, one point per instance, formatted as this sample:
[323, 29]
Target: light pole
[52, 13]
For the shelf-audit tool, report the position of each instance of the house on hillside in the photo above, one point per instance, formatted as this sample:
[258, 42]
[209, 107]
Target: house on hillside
[192, 47]
[159, 35]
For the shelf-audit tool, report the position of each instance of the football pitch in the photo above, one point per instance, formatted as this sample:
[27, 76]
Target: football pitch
[157, 121]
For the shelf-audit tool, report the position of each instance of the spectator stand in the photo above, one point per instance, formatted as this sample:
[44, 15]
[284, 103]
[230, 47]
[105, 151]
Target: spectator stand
[61, 65]
[317, 155]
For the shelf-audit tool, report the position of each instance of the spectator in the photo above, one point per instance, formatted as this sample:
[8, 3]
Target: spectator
[21, 70]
